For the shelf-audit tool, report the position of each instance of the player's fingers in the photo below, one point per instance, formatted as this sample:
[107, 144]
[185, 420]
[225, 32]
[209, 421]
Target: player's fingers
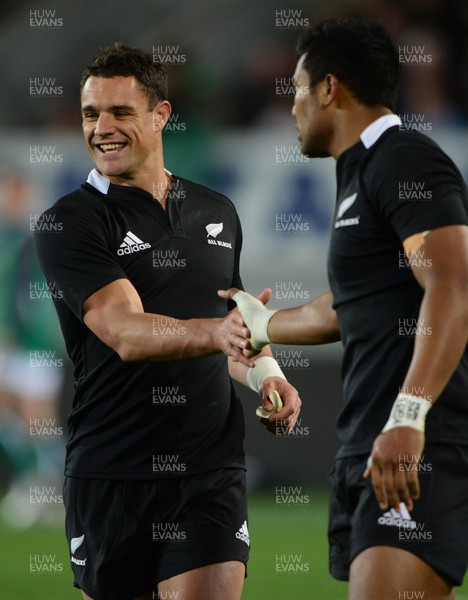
[239, 341]
[268, 405]
[234, 347]
[242, 332]
[238, 356]
[378, 486]
[390, 485]
[227, 294]
[413, 484]
[285, 413]
[368, 471]
[265, 296]
[234, 317]
[233, 328]
[289, 412]
[403, 492]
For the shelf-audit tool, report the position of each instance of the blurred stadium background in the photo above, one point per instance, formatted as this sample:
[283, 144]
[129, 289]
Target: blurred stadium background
[230, 64]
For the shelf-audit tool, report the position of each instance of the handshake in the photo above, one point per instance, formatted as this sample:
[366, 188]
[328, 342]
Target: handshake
[255, 314]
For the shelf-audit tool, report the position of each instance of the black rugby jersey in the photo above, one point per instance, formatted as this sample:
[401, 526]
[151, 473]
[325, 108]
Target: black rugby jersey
[388, 189]
[145, 419]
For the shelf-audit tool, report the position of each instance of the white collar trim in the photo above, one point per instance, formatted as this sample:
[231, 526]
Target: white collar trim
[101, 183]
[373, 131]
[98, 181]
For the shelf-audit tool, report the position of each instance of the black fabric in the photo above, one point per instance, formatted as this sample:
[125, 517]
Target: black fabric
[403, 184]
[138, 533]
[435, 531]
[135, 420]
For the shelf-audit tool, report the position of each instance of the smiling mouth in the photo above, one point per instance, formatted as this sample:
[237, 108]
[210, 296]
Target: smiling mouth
[114, 147]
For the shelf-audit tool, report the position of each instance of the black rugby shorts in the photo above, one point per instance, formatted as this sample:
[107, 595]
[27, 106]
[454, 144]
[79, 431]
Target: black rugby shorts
[436, 530]
[126, 536]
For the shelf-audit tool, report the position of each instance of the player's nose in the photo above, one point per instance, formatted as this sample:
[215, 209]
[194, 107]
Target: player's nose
[105, 124]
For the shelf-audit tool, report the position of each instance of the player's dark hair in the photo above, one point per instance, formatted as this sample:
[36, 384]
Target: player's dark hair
[359, 52]
[120, 60]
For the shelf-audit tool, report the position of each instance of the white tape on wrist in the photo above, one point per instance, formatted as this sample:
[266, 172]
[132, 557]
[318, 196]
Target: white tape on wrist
[408, 411]
[256, 317]
[265, 366]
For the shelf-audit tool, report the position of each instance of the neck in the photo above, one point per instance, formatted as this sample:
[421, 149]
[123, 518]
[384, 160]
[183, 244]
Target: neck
[156, 181]
[350, 124]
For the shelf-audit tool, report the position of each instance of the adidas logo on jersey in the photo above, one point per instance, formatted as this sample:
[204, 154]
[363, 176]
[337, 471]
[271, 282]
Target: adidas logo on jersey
[393, 518]
[131, 244]
[243, 534]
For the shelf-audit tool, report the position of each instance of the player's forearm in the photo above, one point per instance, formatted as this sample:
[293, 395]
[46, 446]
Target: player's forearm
[238, 371]
[312, 323]
[441, 339]
[144, 336]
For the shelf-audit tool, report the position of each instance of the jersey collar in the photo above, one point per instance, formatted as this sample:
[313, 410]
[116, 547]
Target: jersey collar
[98, 181]
[372, 133]
[101, 183]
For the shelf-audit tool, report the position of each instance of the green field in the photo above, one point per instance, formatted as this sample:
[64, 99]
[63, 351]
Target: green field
[280, 534]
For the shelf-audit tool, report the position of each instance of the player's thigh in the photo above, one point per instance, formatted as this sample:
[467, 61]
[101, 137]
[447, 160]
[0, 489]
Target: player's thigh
[212, 521]
[386, 573]
[212, 582]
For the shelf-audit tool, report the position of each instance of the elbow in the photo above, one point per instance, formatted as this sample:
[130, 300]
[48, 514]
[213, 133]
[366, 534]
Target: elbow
[127, 351]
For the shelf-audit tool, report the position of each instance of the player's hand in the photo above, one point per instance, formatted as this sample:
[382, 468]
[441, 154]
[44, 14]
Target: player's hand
[256, 316]
[393, 467]
[264, 297]
[281, 422]
[231, 336]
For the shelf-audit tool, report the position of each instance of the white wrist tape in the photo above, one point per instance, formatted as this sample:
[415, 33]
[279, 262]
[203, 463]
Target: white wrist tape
[265, 366]
[408, 411]
[256, 317]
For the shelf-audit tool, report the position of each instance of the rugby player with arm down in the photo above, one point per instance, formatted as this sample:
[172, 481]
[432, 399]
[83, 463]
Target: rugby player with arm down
[398, 300]
[155, 490]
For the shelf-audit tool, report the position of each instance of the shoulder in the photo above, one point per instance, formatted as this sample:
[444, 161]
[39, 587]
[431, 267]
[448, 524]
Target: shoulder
[84, 197]
[409, 156]
[204, 193]
[399, 147]
[82, 202]
[82, 209]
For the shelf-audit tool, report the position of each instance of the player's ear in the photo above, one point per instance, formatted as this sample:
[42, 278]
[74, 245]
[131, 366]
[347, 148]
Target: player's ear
[161, 113]
[329, 89]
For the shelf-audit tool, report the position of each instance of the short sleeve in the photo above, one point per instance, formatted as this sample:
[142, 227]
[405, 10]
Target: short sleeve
[74, 254]
[415, 186]
[236, 278]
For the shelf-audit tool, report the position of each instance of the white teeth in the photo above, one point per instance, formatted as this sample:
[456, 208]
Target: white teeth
[107, 147]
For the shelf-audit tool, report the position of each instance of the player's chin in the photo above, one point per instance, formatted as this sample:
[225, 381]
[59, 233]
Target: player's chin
[312, 152]
[111, 167]
[313, 149]
[307, 149]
